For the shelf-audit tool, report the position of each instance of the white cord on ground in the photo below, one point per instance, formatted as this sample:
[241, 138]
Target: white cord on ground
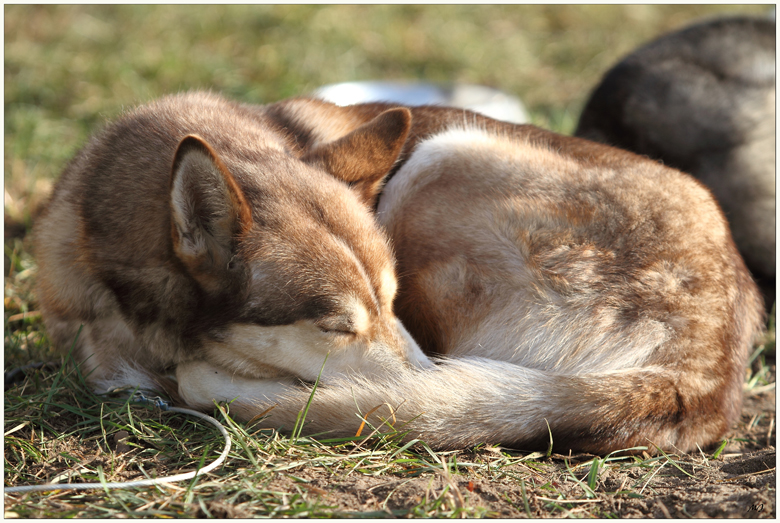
[142, 482]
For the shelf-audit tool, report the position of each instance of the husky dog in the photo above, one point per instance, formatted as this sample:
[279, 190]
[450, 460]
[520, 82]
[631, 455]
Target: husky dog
[703, 100]
[199, 230]
[556, 282]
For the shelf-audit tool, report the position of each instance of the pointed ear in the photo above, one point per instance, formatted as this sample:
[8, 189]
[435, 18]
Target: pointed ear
[208, 210]
[365, 156]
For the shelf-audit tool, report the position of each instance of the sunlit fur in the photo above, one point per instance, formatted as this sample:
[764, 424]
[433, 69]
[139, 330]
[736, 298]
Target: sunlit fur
[566, 284]
[196, 232]
[561, 286]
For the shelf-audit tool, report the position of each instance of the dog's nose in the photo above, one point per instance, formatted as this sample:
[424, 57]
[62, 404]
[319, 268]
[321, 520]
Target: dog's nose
[414, 355]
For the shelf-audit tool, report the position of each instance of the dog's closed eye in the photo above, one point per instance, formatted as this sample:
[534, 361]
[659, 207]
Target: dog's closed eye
[342, 325]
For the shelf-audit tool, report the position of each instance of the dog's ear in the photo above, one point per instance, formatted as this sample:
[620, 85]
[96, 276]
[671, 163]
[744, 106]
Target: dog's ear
[207, 210]
[365, 156]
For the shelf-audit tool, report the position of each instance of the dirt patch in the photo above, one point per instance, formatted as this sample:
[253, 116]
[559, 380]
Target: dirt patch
[711, 491]
[740, 483]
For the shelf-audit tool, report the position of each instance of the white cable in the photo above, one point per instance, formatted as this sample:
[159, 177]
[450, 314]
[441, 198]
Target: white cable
[141, 482]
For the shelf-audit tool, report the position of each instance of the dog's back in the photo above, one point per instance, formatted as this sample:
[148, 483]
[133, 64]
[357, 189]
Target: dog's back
[703, 100]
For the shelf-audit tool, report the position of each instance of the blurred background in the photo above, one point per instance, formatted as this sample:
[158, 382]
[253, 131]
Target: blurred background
[68, 68]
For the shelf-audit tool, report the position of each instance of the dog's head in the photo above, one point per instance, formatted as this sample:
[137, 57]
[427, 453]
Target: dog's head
[283, 246]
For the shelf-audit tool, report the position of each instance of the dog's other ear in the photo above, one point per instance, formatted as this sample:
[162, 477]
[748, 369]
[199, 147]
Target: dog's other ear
[365, 156]
[208, 209]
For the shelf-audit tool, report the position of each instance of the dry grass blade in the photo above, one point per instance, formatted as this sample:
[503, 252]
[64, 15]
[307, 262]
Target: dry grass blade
[32, 315]
[365, 418]
[750, 474]
[570, 500]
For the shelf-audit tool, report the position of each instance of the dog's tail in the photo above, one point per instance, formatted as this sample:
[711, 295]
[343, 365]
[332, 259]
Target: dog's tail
[464, 402]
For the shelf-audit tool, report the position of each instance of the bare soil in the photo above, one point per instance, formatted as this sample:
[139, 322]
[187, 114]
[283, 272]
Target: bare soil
[741, 483]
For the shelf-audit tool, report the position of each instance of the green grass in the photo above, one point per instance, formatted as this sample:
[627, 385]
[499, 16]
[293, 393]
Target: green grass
[69, 68]
[57, 429]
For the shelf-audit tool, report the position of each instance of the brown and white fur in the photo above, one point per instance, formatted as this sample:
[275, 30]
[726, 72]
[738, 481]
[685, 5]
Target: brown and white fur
[197, 231]
[564, 283]
[702, 100]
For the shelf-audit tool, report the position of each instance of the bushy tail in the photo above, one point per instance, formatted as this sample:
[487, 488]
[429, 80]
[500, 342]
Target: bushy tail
[468, 401]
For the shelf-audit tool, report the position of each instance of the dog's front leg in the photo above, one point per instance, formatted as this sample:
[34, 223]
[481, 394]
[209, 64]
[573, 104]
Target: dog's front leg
[201, 383]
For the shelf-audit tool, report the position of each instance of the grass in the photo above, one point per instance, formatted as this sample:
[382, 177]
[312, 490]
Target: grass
[69, 68]
[56, 429]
